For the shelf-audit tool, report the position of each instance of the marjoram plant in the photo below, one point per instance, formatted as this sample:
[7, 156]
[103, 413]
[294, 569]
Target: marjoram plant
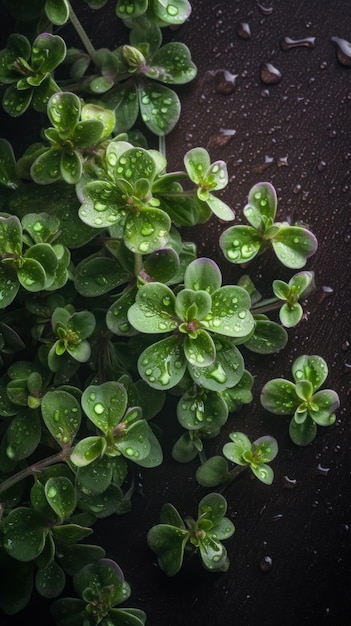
[105, 309]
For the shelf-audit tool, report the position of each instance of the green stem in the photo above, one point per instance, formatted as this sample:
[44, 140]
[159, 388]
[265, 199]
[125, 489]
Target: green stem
[138, 263]
[231, 476]
[35, 468]
[81, 32]
[266, 308]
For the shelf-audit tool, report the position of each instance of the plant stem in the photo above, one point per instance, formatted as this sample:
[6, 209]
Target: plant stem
[232, 475]
[35, 468]
[81, 32]
[266, 308]
[138, 263]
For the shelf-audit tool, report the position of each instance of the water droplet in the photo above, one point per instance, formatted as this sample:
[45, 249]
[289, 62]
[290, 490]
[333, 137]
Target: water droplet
[270, 75]
[172, 10]
[343, 50]
[266, 564]
[99, 408]
[264, 10]
[52, 492]
[287, 43]
[289, 483]
[243, 30]
[323, 471]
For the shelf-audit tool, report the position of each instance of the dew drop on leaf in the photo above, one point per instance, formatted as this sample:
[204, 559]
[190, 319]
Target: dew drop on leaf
[99, 408]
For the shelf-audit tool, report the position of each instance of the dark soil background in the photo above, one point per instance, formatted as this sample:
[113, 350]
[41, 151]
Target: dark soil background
[273, 99]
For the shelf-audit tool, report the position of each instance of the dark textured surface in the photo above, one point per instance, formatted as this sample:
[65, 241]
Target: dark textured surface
[295, 133]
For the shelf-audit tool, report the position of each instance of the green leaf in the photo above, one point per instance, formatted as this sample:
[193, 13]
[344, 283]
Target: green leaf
[203, 274]
[186, 448]
[45, 255]
[48, 52]
[268, 337]
[240, 244]
[261, 206]
[69, 534]
[64, 112]
[234, 451]
[159, 108]
[192, 305]
[279, 396]
[69, 610]
[220, 208]
[71, 167]
[146, 230]
[105, 405]
[57, 11]
[50, 580]
[162, 364]
[97, 275]
[104, 579]
[9, 286]
[123, 101]
[168, 542]
[293, 245]
[172, 11]
[93, 479]
[62, 416]
[155, 455]
[213, 506]
[162, 265]
[127, 617]
[304, 433]
[324, 404]
[198, 408]
[230, 313]
[226, 371]
[16, 102]
[197, 162]
[87, 450]
[8, 174]
[117, 315]
[74, 557]
[87, 133]
[61, 495]
[172, 64]
[200, 351]
[240, 394]
[106, 119]
[264, 473]
[46, 168]
[213, 472]
[213, 554]
[265, 449]
[310, 367]
[24, 534]
[154, 309]
[23, 435]
[290, 315]
[128, 9]
[170, 516]
[134, 443]
[10, 235]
